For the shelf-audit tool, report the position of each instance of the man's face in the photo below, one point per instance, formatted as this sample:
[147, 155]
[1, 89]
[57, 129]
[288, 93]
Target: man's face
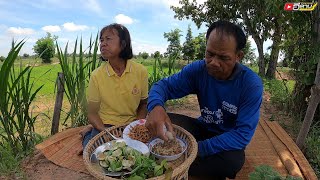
[221, 55]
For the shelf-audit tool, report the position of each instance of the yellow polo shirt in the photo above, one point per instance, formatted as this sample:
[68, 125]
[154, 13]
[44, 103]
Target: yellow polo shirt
[119, 97]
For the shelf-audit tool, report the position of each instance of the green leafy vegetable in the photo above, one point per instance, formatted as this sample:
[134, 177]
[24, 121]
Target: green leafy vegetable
[268, 173]
[120, 157]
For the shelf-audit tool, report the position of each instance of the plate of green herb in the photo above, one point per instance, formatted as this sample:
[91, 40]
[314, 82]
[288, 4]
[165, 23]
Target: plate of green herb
[116, 158]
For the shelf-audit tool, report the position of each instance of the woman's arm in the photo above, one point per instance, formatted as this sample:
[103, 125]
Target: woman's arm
[93, 116]
[142, 109]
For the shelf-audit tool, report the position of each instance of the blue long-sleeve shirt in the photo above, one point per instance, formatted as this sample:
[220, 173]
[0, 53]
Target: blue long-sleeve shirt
[228, 107]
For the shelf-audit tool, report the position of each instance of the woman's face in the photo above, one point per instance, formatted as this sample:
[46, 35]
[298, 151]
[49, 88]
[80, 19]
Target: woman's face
[110, 44]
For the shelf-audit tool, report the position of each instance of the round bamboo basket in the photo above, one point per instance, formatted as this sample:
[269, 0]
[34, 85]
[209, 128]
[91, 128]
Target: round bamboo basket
[180, 166]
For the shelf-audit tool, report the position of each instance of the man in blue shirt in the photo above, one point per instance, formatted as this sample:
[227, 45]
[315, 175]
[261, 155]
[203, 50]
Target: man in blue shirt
[229, 96]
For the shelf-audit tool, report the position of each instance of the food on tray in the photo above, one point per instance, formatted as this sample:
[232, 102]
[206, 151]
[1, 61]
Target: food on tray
[140, 132]
[121, 158]
[167, 148]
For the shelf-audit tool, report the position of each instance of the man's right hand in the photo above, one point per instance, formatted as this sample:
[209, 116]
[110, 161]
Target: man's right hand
[156, 119]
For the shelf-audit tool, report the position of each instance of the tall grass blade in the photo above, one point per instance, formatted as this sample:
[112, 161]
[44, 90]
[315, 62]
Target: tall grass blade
[16, 121]
[77, 71]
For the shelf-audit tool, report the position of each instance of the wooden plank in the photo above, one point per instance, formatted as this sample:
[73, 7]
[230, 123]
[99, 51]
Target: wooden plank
[299, 157]
[286, 157]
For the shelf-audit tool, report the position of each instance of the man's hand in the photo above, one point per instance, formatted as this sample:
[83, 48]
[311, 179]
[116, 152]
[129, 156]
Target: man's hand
[156, 119]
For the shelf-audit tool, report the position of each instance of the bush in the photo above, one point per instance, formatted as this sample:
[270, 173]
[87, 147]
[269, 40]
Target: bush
[157, 54]
[280, 91]
[8, 162]
[25, 55]
[313, 148]
[2, 58]
[144, 55]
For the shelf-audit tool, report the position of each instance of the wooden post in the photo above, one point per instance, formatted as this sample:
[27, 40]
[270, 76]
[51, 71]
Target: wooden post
[58, 104]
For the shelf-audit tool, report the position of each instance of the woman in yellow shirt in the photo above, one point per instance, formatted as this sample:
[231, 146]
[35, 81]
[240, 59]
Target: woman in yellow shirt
[118, 89]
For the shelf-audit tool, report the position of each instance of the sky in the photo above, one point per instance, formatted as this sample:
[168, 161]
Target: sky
[146, 20]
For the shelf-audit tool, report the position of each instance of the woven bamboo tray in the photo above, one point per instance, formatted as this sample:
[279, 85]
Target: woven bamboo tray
[180, 166]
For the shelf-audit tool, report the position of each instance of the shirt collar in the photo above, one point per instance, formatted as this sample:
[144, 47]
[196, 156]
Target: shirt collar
[111, 72]
[236, 70]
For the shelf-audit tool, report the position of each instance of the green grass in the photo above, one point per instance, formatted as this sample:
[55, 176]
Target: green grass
[33, 61]
[47, 75]
[150, 61]
[284, 69]
[42, 74]
[8, 162]
[280, 90]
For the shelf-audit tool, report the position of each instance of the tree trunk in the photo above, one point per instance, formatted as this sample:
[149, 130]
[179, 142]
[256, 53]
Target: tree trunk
[308, 118]
[315, 92]
[274, 51]
[257, 40]
[261, 63]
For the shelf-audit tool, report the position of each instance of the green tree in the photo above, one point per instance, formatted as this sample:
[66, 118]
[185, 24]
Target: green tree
[157, 54]
[276, 22]
[25, 55]
[296, 40]
[314, 76]
[2, 58]
[174, 47]
[266, 57]
[261, 22]
[200, 46]
[300, 52]
[249, 56]
[188, 49]
[45, 48]
[144, 55]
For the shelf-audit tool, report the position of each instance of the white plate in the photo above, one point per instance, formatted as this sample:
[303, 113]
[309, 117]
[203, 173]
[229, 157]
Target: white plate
[126, 130]
[139, 146]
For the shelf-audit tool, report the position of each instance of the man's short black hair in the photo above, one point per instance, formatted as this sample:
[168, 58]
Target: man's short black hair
[231, 29]
[125, 40]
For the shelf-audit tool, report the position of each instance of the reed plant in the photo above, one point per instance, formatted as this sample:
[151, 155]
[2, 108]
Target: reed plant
[77, 70]
[17, 92]
[158, 71]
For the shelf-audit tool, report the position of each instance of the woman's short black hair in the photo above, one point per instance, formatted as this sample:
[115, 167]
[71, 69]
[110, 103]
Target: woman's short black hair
[231, 29]
[125, 40]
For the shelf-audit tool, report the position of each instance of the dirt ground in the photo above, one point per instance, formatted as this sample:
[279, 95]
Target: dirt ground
[36, 166]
